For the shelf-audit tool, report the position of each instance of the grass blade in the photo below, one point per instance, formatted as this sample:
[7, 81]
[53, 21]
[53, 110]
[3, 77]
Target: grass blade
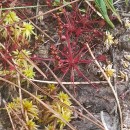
[103, 10]
[109, 4]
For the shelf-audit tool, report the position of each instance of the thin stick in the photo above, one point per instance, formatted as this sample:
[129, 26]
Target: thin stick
[42, 31]
[37, 10]
[99, 14]
[44, 104]
[20, 92]
[42, 14]
[34, 65]
[9, 115]
[12, 8]
[103, 121]
[76, 83]
[21, 121]
[23, 124]
[110, 84]
[89, 119]
[97, 122]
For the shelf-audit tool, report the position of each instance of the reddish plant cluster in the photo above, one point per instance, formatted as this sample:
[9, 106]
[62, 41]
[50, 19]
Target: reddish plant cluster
[60, 26]
[54, 52]
[78, 29]
[78, 26]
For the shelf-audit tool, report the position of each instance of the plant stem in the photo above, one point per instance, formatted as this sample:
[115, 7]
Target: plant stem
[97, 122]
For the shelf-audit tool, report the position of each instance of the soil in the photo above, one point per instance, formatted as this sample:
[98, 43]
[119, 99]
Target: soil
[96, 100]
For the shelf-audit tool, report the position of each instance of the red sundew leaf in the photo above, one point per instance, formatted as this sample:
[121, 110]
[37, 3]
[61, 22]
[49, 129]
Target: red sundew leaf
[101, 58]
[78, 31]
[65, 71]
[11, 68]
[7, 56]
[8, 29]
[64, 54]
[73, 53]
[13, 48]
[102, 23]
[49, 2]
[83, 76]
[65, 49]
[27, 3]
[97, 33]
[86, 61]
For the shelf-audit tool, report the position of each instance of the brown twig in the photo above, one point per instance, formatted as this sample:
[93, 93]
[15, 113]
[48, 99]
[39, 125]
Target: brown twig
[20, 92]
[76, 83]
[42, 14]
[37, 10]
[44, 104]
[110, 84]
[38, 88]
[99, 125]
[97, 122]
[9, 115]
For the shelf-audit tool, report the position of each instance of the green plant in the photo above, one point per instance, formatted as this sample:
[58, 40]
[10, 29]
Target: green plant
[30, 110]
[16, 36]
[65, 112]
[10, 17]
[24, 30]
[75, 31]
[60, 104]
[127, 2]
[27, 30]
[64, 98]
[109, 71]
[49, 127]
[22, 63]
[31, 125]
[102, 5]
[109, 40]
[33, 114]
[25, 110]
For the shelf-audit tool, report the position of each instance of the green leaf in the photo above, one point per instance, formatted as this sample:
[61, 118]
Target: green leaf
[111, 1]
[109, 4]
[127, 2]
[103, 10]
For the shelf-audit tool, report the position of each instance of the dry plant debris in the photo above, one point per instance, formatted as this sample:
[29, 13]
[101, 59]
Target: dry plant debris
[71, 44]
